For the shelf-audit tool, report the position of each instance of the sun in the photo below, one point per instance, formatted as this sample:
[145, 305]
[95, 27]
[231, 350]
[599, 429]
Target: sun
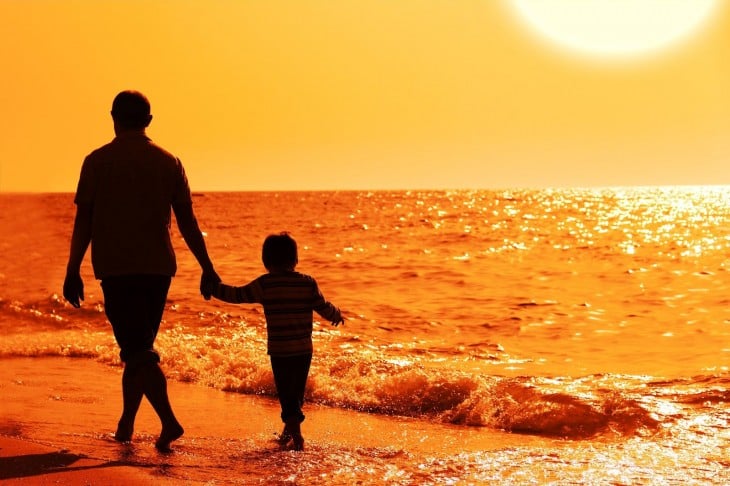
[615, 28]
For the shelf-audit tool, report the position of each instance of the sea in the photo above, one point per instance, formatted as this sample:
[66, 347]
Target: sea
[584, 333]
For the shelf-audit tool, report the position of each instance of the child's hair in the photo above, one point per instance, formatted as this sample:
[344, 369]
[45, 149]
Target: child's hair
[279, 252]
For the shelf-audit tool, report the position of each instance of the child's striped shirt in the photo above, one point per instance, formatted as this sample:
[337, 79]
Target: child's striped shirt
[289, 299]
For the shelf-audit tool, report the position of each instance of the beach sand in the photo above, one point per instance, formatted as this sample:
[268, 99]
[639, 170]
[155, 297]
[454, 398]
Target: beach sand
[26, 462]
[57, 416]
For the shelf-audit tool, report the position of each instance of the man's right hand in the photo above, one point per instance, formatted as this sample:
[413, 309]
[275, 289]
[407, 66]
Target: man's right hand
[73, 289]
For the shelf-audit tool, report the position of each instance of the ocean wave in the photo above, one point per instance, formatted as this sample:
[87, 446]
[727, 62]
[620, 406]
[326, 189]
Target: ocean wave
[235, 362]
[51, 311]
[60, 343]
[524, 409]
[460, 398]
[227, 352]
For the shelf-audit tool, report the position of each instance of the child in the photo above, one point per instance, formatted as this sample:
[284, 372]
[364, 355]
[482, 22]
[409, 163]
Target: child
[288, 298]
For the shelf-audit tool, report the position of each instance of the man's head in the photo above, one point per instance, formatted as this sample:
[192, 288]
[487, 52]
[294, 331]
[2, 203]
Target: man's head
[131, 111]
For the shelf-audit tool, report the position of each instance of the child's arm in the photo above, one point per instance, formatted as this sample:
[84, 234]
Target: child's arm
[325, 309]
[246, 294]
[331, 313]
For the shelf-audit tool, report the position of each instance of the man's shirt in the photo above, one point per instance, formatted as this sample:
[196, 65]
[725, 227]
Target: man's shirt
[131, 185]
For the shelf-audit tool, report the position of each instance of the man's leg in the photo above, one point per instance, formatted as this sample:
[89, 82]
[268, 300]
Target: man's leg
[121, 309]
[134, 306]
[155, 389]
[144, 377]
[132, 393]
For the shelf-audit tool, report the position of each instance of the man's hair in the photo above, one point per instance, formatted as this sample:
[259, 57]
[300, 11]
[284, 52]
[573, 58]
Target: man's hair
[279, 252]
[131, 109]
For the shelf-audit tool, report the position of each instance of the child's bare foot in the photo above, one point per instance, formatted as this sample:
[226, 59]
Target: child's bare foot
[298, 443]
[169, 434]
[285, 436]
[295, 433]
[124, 432]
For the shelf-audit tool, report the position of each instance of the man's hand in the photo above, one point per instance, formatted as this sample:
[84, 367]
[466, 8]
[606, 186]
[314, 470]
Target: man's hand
[73, 289]
[208, 282]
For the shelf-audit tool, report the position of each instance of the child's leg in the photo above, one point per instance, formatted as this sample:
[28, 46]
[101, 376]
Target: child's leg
[300, 380]
[290, 377]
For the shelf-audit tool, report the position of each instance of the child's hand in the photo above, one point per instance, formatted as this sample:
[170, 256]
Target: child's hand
[341, 320]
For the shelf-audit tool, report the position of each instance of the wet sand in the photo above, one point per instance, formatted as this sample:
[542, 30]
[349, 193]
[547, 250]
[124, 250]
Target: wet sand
[58, 414]
[24, 461]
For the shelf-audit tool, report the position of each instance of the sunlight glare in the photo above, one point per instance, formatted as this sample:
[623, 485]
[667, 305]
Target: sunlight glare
[614, 28]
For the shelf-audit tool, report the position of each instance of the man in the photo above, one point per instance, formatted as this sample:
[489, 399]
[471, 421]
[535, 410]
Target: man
[123, 201]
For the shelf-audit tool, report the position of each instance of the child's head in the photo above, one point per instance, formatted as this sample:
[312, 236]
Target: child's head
[279, 252]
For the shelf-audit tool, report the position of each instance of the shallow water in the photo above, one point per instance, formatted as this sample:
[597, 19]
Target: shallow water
[595, 318]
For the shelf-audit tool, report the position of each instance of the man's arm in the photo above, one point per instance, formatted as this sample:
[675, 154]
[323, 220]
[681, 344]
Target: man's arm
[193, 237]
[73, 285]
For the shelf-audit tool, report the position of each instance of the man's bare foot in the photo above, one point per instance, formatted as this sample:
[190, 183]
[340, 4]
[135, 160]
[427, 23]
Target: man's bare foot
[124, 432]
[168, 435]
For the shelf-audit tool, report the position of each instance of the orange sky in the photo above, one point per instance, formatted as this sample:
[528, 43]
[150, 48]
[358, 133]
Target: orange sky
[355, 94]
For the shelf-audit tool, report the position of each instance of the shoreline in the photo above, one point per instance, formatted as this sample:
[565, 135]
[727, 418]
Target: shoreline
[58, 416]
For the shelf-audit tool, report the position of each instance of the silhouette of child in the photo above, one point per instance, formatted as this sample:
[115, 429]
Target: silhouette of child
[288, 298]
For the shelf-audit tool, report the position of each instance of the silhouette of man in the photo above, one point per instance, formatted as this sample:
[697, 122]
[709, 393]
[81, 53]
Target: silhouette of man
[125, 193]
